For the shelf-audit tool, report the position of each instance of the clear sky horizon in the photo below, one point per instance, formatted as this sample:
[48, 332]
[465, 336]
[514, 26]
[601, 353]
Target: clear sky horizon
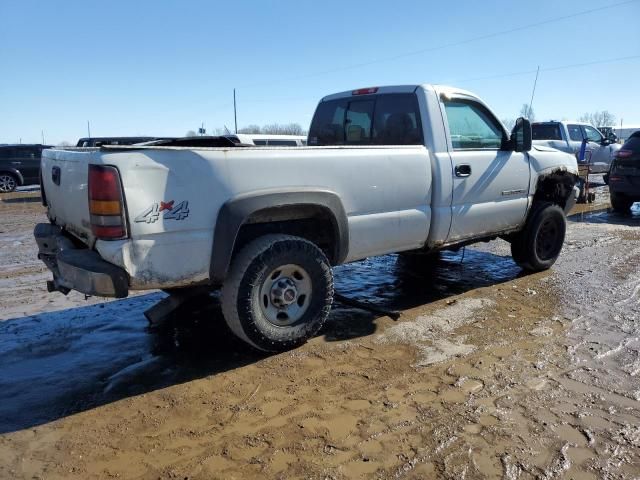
[164, 67]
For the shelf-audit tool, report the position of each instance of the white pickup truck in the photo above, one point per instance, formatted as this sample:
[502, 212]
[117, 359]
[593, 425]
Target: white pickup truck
[568, 137]
[391, 169]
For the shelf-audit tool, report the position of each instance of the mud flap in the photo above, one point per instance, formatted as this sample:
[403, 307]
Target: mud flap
[158, 314]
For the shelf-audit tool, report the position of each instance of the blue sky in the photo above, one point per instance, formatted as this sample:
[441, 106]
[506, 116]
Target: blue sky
[163, 67]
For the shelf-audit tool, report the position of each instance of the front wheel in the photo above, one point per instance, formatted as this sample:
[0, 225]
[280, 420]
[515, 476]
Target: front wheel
[8, 182]
[620, 203]
[278, 293]
[538, 246]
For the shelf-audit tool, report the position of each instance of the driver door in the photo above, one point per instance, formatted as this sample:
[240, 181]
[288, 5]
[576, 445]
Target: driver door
[490, 180]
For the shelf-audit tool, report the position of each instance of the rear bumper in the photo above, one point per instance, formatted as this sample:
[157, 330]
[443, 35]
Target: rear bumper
[627, 185]
[77, 269]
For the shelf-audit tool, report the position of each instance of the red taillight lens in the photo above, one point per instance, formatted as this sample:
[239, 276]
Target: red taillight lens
[364, 91]
[624, 153]
[106, 205]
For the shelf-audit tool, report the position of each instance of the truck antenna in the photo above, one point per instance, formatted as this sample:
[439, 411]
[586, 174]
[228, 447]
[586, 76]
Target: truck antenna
[235, 112]
[88, 129]
[533, 93]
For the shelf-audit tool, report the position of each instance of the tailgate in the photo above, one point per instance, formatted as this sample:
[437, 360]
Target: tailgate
[64, 179]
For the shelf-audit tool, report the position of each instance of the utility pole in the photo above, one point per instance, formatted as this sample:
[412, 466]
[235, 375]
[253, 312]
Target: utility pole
[235, 112]
[88, 129]
[42, 133]
[533, 93]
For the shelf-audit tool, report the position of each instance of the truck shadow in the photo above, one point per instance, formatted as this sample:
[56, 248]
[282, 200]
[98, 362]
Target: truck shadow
[59, 363]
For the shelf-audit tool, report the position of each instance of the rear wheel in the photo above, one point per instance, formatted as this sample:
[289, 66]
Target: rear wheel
[538, 246]
[620, 202]
[278, 293]
[8, 182]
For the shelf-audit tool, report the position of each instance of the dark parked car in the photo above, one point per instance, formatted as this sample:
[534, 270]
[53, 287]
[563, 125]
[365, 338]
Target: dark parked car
[99, 141]
[19, 165]
[624, 176]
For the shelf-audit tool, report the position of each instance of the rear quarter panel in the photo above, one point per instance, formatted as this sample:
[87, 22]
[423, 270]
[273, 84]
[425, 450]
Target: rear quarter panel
[385, 192]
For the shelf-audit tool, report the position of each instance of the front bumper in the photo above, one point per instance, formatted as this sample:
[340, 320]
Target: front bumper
[77, 269]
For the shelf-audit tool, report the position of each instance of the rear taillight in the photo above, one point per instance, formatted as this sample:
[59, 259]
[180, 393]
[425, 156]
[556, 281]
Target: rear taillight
[106, 203]
[624, 153]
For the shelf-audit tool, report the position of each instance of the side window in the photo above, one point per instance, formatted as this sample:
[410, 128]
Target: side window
[259, 142]
[472, 127]
[397, 120]
[592, 134]
[281, 143]
[358, 122]
[575, 133]
[24, 152]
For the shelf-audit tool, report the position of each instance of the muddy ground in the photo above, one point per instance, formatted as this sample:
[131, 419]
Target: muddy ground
[489, 373]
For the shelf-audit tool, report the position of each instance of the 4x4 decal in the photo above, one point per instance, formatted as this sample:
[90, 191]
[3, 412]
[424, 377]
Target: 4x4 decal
[171, 212]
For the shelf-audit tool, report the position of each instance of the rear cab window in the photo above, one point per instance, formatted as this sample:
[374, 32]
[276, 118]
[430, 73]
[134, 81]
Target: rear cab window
[632, 144]
[385, 119]
[546, 131]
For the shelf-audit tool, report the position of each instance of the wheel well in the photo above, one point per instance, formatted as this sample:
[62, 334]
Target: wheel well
[555, 188]
[311, 222]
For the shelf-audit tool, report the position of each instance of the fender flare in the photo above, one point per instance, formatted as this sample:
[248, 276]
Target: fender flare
[235, 212]
[14, 171]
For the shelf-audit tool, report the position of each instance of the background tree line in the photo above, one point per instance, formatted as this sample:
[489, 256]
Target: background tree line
[270, 129]
[599, 119]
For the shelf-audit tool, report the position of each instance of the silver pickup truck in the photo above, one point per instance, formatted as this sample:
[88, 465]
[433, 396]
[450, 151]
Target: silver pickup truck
[390, 169]
[568, 137]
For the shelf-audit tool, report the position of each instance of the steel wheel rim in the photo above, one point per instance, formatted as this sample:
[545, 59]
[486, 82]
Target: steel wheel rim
[7, 183]
[285, 295]
[547, 239]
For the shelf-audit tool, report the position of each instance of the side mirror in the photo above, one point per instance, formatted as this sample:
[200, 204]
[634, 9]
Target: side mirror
[521, 135]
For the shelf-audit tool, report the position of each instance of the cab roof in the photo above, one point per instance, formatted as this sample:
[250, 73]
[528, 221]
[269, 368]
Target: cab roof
[398, 89]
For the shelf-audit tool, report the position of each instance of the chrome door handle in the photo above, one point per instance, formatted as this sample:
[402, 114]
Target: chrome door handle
[463, 170]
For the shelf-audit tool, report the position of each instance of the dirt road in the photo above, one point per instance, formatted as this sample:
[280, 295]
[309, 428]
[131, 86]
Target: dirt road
[487, 374]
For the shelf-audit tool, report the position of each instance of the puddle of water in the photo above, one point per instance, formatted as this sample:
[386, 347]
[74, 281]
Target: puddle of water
[606, 215]
[54, 364]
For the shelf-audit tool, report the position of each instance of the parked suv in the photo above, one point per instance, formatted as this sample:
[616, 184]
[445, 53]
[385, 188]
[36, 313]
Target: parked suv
[19, 165]
[624, 177]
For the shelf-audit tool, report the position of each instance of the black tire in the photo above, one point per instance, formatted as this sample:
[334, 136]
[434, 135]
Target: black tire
[8, 182]
[620, 202]
[538, 246]
[249, 302]
[581, 195]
